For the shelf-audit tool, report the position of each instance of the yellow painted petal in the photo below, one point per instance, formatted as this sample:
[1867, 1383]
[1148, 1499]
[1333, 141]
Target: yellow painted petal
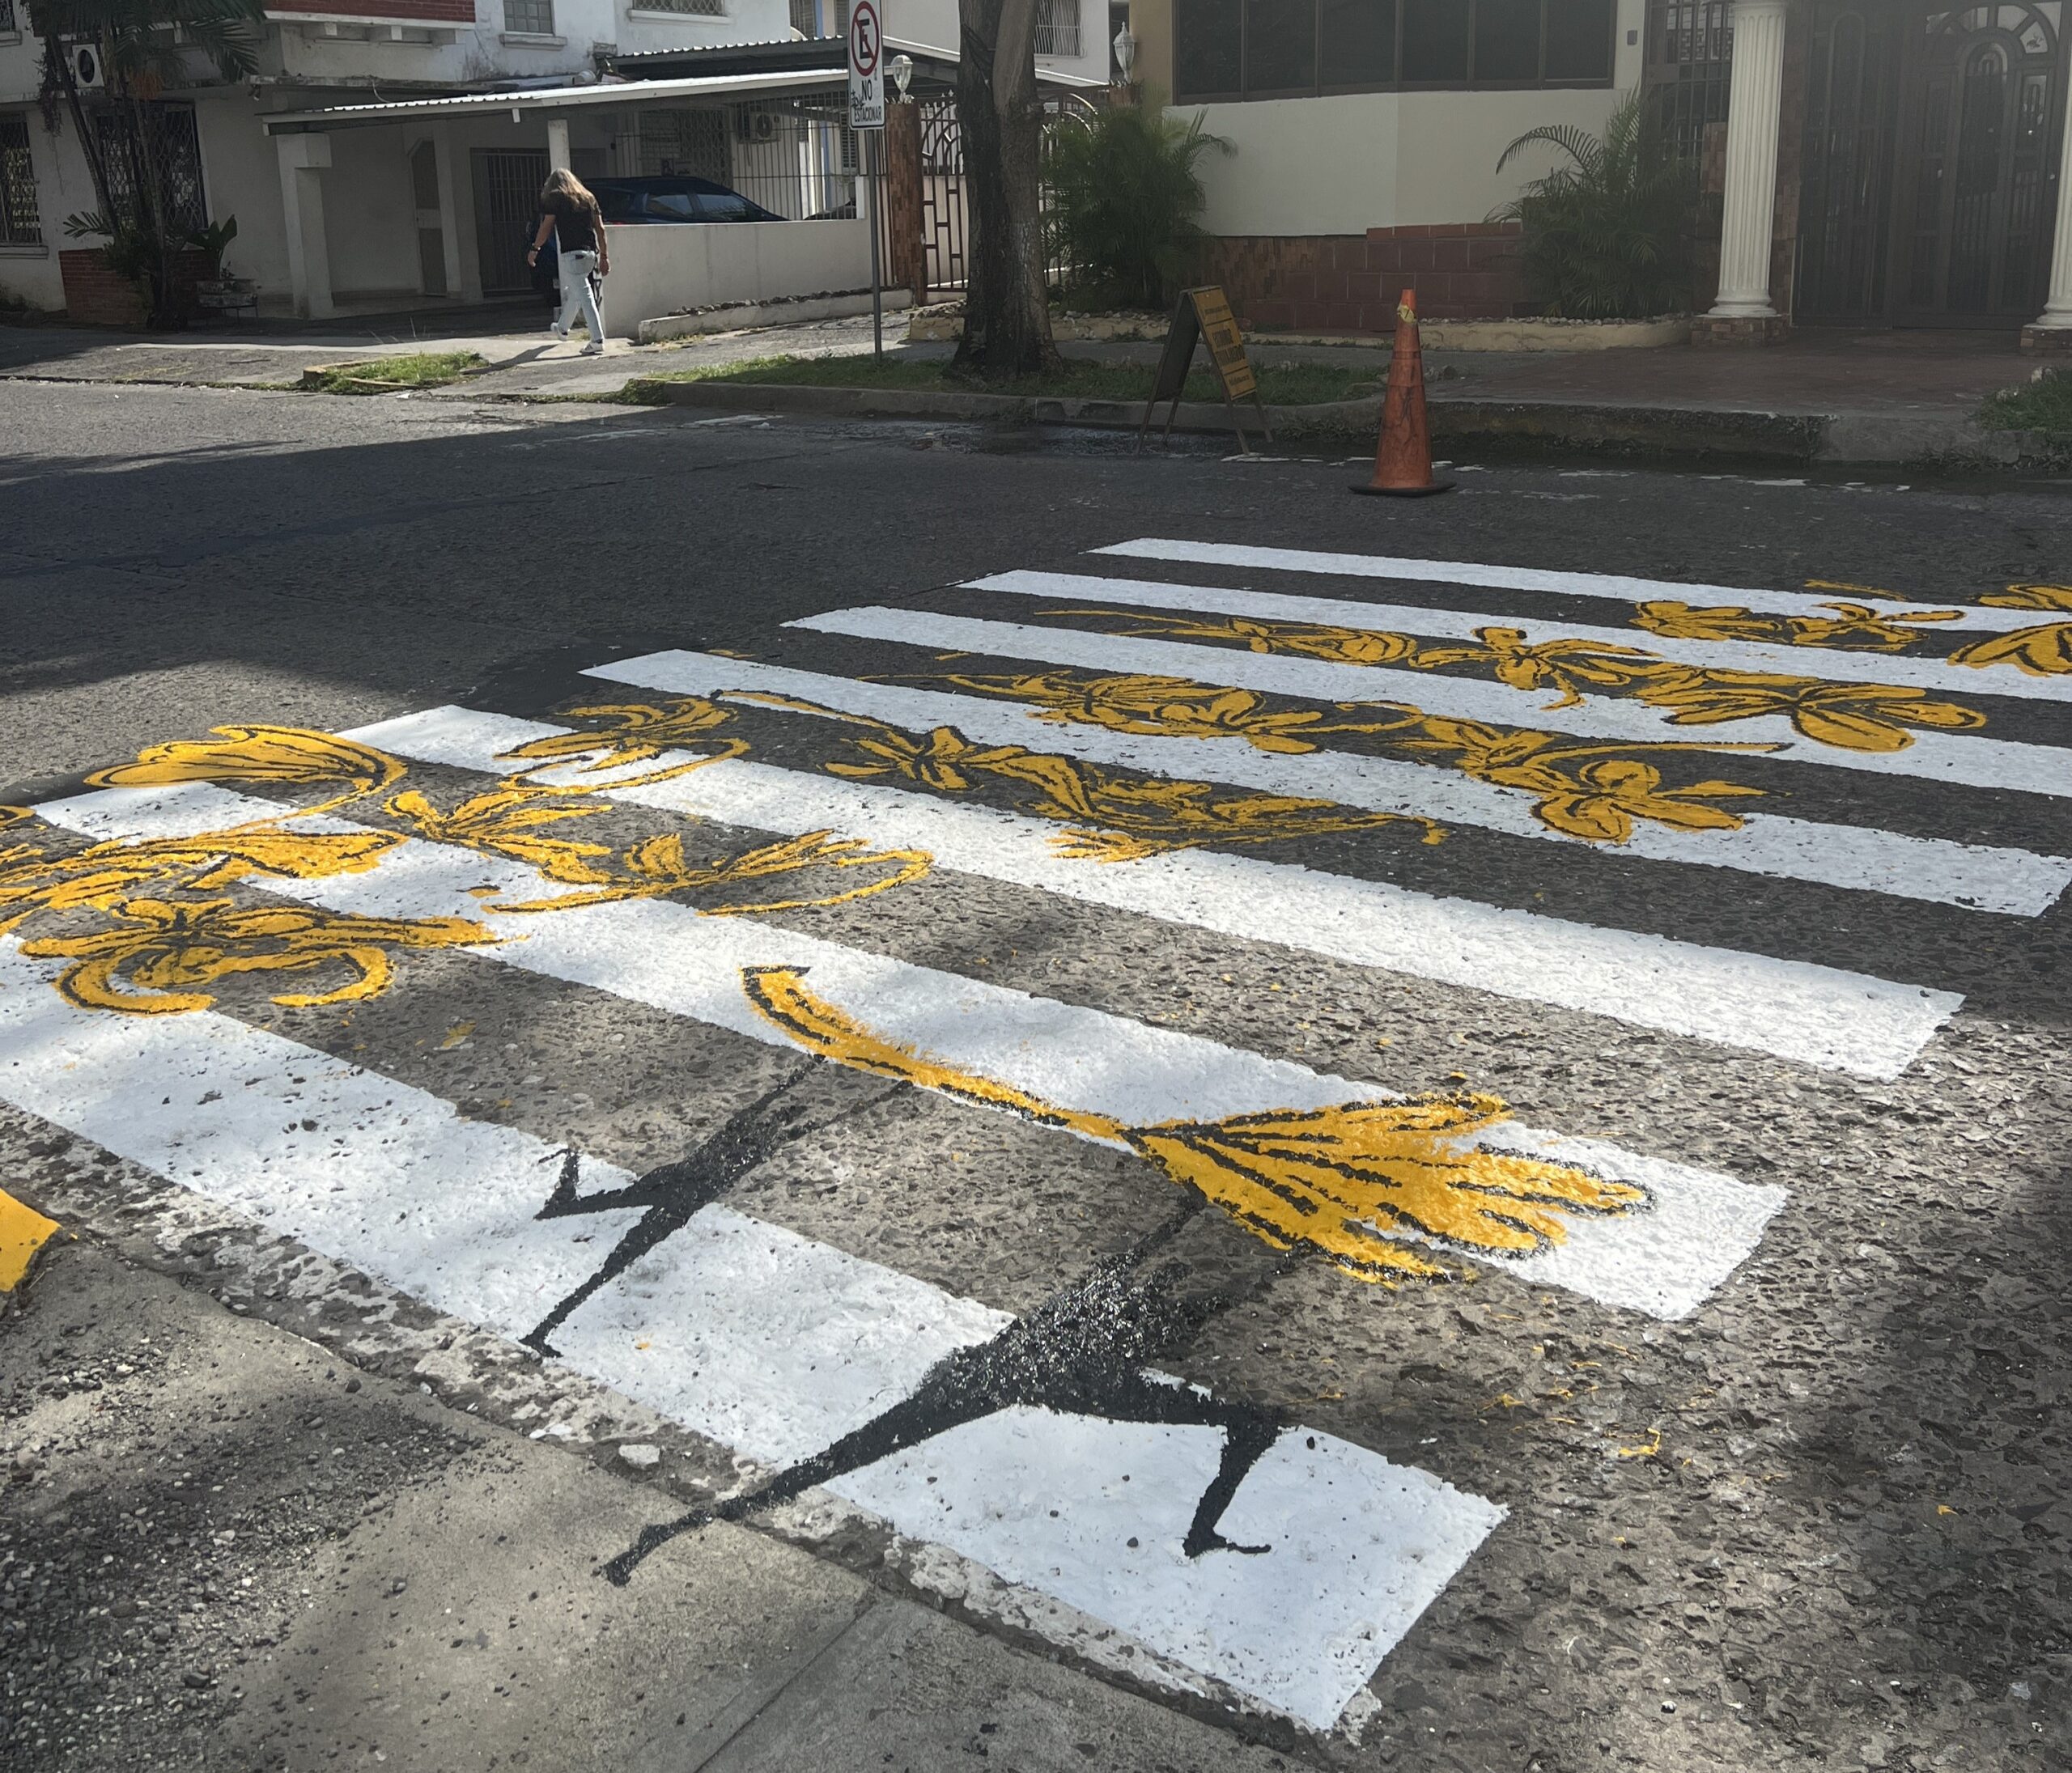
[2044, 652]
[23, 1231]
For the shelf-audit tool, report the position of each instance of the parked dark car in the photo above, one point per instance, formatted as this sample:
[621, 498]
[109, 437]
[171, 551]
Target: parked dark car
[672, 198]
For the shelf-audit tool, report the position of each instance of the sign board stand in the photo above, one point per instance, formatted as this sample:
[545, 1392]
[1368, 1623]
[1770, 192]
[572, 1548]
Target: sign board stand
[867, 118]
[1204, 314]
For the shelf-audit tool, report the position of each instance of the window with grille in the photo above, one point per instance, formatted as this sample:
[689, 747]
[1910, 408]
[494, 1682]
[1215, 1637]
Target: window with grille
[1291, 48]
[176, 147]
[805, 16]
[711, 9]
[529, 18]
[7, 19]
[20, 224]
[1057, 27]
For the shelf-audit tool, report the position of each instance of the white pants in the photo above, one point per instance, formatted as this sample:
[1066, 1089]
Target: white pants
[576, 293]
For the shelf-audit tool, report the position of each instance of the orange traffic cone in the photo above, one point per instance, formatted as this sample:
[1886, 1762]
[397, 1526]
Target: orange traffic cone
[1402, 459]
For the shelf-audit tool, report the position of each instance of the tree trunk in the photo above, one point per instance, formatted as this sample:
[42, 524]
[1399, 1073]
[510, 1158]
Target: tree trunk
[1007, 316]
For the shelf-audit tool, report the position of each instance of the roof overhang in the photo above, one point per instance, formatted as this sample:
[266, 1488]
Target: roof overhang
[720, 88]
[931, 62]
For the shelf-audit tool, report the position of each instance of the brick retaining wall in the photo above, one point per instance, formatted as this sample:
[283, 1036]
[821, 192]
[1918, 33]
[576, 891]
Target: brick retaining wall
[95, 296]
[1350, 282]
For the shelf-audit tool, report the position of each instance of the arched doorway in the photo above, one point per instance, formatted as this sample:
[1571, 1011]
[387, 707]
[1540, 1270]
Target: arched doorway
[1929, 161]
[1978, 164]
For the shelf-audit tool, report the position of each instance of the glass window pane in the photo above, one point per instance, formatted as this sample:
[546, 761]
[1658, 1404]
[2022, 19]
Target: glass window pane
[1506, 40]
[1208, 54]
[1435, 40]
[1280, 46]
[1579, 39]
[1357, 42]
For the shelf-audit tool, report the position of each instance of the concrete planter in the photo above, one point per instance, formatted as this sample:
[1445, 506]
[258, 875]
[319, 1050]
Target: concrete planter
[791, 311]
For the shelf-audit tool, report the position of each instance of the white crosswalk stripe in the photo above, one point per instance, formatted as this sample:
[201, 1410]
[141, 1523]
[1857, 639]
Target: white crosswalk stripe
[1979, 877]
[1961, 760]
[1832, 664]
[1616, 587]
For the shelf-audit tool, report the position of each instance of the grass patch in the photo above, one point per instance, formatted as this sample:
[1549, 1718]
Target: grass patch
[384, 375]
[2041, 405]
[1284, 385]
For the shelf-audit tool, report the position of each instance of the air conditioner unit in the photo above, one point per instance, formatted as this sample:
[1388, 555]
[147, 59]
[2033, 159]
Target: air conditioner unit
[84, 58]
[758, 125]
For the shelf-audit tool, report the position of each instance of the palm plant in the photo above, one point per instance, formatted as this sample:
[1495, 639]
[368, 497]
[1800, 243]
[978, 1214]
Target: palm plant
[1125, 194]
[145, 45]
[1607, 232]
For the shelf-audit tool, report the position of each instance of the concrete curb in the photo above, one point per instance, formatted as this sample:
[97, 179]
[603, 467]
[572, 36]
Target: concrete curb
[1688, 433]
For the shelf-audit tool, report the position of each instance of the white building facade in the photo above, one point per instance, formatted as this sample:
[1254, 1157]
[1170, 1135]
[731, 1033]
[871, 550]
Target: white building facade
[434, 208]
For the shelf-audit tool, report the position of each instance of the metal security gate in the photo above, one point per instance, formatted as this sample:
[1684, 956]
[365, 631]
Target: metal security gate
[943, 223]
[1984, 104]
[942, 195]
[508, 183]
[1845, 197]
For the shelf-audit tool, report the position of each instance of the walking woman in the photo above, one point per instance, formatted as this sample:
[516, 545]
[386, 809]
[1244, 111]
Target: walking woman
[570, 214]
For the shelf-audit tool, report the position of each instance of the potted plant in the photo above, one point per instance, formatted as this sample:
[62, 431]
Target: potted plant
[220, 290]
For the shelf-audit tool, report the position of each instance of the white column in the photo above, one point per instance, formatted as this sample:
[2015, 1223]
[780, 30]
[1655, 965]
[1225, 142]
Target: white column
[1754, 101]
[451, 187]
[2059, 313]
[558, 159]
[303, 159]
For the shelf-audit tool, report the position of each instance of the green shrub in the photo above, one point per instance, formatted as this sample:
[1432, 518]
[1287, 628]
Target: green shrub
[1606, 234]
[2043, 404]
[1125, 197]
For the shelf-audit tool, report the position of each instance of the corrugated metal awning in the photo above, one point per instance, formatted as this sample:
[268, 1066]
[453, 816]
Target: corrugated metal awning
[720, 88]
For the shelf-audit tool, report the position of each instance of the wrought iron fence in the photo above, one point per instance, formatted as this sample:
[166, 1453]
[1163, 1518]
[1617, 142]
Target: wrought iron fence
[1690, 52]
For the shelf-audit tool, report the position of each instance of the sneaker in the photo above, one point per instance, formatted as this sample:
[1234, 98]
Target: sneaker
[558, 331]
[593, 350]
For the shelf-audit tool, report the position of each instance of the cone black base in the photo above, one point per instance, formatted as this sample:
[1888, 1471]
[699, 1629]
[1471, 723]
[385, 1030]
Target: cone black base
[1405, 492]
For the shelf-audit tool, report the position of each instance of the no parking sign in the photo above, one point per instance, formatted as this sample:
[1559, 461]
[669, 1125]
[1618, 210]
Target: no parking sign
[866, 67]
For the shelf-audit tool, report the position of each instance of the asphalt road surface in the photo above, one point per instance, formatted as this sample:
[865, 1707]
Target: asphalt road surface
[734, 1094]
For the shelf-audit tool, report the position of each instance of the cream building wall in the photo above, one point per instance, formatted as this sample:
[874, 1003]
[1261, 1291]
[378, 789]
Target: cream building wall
[1342, 165]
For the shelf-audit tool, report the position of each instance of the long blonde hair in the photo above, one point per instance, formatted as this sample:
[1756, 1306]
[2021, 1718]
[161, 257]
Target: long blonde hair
[564, 185]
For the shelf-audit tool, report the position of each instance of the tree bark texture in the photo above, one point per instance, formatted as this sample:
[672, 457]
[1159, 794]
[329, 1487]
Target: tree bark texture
[1007, 315]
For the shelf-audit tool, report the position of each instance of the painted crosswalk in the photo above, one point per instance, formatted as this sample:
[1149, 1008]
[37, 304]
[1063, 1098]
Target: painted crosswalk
[753, 855]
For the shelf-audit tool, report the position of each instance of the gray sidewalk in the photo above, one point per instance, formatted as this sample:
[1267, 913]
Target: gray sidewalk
[221, 1545]
[1825, 396]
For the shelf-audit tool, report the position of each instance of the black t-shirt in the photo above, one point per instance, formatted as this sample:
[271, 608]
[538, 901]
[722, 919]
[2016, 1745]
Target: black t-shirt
[575, 223]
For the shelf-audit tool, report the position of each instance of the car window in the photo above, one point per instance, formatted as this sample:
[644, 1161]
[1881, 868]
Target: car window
[615, 205]
[673, 205]
[722, 206]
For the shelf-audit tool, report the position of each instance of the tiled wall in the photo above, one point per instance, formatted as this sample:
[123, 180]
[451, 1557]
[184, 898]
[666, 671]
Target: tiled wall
[1350, 282]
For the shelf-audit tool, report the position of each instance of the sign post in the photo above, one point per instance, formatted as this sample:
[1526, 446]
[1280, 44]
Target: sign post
[867, 118]
[1204, 314]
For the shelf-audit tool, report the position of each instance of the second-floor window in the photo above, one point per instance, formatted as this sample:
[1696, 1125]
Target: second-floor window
[805, 16]
[529, 18]
[19, 223]
[8, 21]
[1057, 27]
[1288, 49]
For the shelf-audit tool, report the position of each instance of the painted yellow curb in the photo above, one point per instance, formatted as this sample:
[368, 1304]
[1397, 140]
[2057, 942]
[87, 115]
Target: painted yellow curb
[23, 1231]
